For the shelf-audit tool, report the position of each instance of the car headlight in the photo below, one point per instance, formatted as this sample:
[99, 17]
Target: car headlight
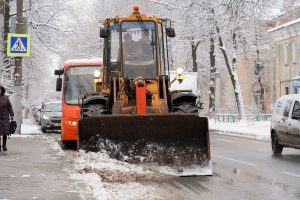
[45, 117]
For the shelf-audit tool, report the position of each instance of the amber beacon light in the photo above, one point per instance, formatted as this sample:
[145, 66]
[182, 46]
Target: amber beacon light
[136, 10]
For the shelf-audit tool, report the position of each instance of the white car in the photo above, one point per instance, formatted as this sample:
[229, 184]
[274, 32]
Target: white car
[285, 123]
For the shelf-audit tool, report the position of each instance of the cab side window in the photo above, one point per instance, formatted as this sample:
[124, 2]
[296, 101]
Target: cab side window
[287, 108]
[296, 109]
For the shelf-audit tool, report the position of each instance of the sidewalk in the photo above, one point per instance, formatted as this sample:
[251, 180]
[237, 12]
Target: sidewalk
[32, 169]
[253, 130]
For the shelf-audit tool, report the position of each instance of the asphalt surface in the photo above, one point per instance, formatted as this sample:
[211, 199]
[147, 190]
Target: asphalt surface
[247, 169]
[242, 169]
[31, 169]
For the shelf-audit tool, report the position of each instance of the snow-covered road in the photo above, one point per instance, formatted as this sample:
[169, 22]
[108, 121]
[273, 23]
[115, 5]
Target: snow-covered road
[108, 178]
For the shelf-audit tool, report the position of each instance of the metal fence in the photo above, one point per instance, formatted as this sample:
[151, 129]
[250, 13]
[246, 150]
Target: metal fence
[231, 118]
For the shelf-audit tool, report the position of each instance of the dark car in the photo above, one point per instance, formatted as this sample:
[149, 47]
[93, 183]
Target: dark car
[51, 114]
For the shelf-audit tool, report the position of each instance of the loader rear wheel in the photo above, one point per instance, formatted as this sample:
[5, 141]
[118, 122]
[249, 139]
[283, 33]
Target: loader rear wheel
[44, 129]
[93, 110]
[186, 107]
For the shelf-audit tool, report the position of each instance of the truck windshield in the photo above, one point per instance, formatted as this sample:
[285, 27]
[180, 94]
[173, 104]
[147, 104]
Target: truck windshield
[139, 49]
[78, 81]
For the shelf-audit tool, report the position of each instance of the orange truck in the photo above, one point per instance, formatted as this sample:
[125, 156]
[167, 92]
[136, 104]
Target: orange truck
[76, 81]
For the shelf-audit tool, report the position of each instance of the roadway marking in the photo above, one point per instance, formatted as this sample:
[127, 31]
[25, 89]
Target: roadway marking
[291, 174]
[235, 160]
[223, 140]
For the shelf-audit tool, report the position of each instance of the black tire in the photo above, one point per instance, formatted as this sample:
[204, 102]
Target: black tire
[185, 107]
[44, 129]
[71, 145]
[93, 110]
[276, 147]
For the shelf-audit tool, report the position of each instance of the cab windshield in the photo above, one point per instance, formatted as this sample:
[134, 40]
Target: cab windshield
[139, 49]
[78, 81]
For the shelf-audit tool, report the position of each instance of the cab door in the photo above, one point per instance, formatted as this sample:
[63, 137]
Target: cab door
[293, 123]
[282, 123]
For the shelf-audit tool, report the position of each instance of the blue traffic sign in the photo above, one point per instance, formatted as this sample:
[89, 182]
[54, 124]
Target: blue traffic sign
[296, 82]
[18, 45]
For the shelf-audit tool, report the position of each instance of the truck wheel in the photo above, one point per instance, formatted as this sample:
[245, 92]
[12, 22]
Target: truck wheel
[69, 145]
[276, 147]
[44, 129]
[186, 107]
[93, 110]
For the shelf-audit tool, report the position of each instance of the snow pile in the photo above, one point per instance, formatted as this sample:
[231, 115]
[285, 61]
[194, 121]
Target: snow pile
[94, 184]
[175, 159]
[194, 170]
[28, 127]
[112, 179]
[254, 130]
[54, 143]
[111, 170]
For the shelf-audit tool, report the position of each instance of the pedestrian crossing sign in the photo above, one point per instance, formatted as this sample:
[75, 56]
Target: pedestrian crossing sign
[18, 45]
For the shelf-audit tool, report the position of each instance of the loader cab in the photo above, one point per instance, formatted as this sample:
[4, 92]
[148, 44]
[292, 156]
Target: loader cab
[136, 46]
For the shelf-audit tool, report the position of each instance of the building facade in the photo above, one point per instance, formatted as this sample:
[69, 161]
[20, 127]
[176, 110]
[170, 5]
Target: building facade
[285, 47]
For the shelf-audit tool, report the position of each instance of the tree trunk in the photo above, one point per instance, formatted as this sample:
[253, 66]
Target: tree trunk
[6, 68]
[194, 55]
[259, 73]
[232, 70]
[212, 82]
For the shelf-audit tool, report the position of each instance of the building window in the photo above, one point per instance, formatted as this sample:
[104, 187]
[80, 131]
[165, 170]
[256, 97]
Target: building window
[257, 96]
[286, 90]
[285, 54]
[294, 52]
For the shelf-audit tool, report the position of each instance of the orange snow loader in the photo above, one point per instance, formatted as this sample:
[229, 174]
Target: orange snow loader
[132, 115]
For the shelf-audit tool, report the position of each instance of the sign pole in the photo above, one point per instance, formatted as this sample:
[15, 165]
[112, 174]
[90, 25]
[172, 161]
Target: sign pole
[18, 69]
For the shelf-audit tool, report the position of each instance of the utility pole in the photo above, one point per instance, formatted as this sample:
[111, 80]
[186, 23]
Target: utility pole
[19, 29]
[18, 69]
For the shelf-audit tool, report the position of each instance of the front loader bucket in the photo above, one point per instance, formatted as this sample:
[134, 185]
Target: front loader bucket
[167, 139]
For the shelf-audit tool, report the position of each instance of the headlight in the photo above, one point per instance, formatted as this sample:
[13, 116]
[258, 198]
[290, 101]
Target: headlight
[97, 74]
[179, 71]
[71, 123]
[45, 117]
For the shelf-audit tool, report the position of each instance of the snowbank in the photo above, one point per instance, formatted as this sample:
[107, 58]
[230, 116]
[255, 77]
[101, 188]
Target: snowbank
[253, 130]
[112, 179]
[28, 127]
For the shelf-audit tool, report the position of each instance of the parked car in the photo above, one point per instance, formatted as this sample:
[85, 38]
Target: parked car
[51, 113]
[285, 123]
[35, 111]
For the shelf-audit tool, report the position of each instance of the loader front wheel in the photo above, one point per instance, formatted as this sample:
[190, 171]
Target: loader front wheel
[93, 110]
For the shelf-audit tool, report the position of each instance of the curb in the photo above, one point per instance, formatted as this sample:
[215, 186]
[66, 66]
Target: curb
[239, 134]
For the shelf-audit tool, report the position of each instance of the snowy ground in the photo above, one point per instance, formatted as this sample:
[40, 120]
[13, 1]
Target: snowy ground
[28, 127]
[255, 130]
[108, 178]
